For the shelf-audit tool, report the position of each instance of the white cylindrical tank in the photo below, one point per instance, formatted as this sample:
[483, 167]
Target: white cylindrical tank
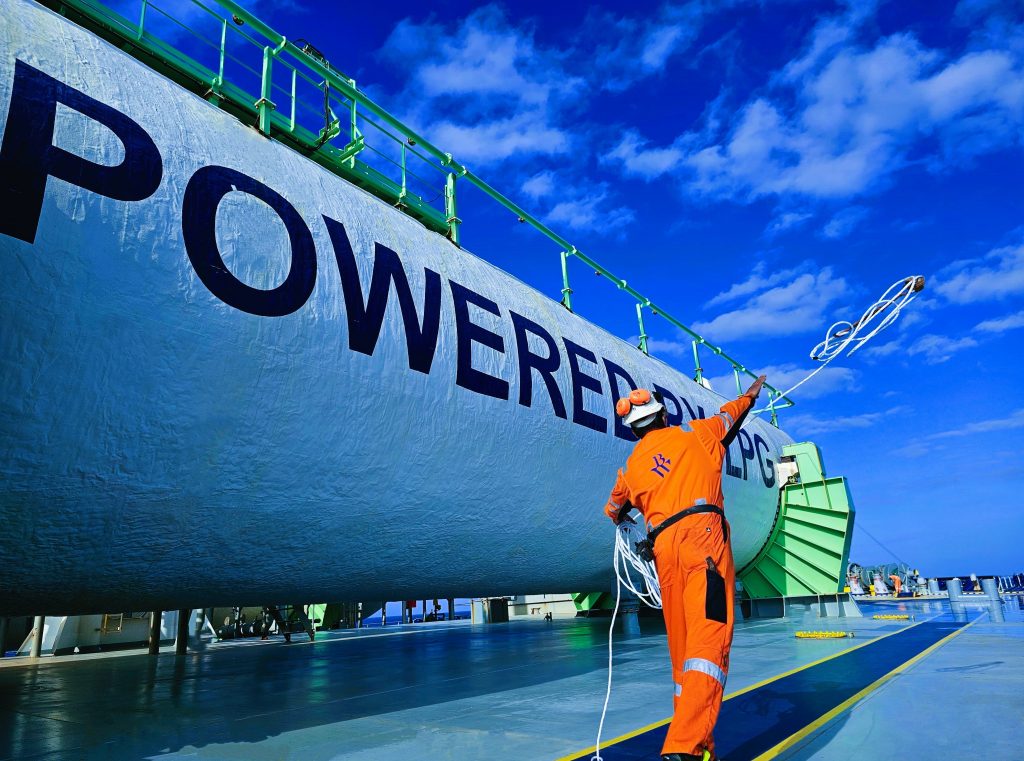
[230, 377]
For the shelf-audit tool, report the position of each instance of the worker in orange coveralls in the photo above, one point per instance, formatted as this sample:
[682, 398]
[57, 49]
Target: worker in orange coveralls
[674, 477]
[897, 584]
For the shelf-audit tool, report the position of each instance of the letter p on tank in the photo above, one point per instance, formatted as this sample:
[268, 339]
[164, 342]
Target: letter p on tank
[28, 156]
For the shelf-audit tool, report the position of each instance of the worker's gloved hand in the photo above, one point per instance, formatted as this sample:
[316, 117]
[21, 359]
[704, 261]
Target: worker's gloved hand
[618, 513]
[755, 387]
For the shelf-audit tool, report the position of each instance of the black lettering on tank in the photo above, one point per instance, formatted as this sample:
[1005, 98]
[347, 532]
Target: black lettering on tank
[28, 156]
[615, 372]
[580, 382]
[767, 466]
[365, 318]
[746, 450]
[675, 410]
[468, 333]
[546, 366]
[203, 194]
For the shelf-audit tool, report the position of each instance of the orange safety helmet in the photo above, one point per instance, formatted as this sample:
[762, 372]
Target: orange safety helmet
[637, 406]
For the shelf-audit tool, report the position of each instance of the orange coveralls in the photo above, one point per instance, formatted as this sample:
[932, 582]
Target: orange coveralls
[670, 470]
[897, 584]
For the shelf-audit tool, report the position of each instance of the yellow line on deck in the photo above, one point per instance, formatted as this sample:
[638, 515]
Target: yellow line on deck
[796, 737]
[743, 691]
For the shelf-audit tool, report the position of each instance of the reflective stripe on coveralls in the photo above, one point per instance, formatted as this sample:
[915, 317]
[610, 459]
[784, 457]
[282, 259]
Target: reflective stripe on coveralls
[705, 667]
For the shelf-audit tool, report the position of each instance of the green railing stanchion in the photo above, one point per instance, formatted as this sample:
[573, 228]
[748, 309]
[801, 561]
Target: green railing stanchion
[698, 371]
[451, 209]
[643, 333]
[401, 195]
[218, 81]
[294, 95]
[264, 106]
[142, 20]
[771, 406]
[566, 290]
[736, 375]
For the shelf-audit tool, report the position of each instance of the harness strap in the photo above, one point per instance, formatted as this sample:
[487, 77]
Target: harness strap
[656, 531]
[645, 548]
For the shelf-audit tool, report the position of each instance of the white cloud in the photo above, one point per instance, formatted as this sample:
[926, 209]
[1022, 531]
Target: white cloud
[484, 56]
[1001, 324]
[884, 350]
[998, 274]
[843, 223]
[840, 119]
[937, 349]
[643, 45]
[786, 221]
[924, 445]
[812, 424]
[493, 141]
[540, 185]
[660, 346]
[489, 91]
[1011, 422]
[591, 211]
[639, 160]
[758, 281]
[829, 381]
[795, 307]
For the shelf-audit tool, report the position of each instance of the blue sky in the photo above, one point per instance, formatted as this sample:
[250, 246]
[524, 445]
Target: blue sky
[761, 169]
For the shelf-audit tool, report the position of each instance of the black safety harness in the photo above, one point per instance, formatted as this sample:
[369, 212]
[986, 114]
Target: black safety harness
[645, 547]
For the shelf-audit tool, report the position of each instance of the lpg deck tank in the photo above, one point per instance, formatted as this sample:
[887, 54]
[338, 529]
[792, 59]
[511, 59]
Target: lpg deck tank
[231, 377]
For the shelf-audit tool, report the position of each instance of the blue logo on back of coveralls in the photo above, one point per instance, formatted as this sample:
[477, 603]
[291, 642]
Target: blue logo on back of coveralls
[661, 464]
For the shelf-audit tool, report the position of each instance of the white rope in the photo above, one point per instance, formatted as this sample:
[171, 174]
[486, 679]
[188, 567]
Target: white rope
[608, 691]
[851, 336]
[649, 592]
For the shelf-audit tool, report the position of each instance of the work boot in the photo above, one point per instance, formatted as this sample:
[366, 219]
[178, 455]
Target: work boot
[312, 635]
[705, 756]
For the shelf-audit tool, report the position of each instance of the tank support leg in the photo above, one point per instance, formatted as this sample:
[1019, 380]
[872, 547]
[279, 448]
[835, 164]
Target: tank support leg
[37, 637]
[155, 619]
[181, 640]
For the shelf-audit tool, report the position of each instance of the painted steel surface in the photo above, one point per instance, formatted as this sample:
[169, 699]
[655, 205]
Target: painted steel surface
[798, 699]
[199, 405]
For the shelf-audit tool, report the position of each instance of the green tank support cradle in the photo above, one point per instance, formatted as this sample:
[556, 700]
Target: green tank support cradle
[589, 601]
[809, 546]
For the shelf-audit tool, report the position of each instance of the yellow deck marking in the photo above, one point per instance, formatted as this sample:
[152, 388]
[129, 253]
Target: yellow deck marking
[793, 739]
[743, 691]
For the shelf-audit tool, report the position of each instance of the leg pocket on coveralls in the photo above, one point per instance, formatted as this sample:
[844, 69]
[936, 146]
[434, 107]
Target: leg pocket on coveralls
[714, 600]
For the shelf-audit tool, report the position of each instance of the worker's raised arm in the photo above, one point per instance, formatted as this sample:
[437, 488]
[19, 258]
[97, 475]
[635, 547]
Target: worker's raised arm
[618, 501]
[726, 424]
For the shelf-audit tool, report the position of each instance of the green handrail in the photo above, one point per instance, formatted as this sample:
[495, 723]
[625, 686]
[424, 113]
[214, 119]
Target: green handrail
[453, 169]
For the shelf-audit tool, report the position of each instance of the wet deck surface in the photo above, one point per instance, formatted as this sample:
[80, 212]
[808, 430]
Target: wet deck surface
[525, 690]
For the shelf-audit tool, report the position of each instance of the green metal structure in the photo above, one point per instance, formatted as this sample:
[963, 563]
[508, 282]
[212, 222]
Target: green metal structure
[290, 92]
[809, 546]
[587, 602]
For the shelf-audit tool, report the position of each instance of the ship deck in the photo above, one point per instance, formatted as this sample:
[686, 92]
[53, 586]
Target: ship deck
[533, 690]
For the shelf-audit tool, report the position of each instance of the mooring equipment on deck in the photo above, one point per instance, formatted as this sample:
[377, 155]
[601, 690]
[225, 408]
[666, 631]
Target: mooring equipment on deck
[809, 546]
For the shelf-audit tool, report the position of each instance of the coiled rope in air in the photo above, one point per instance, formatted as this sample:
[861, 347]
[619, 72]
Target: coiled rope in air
[848, 337]
[645, 587]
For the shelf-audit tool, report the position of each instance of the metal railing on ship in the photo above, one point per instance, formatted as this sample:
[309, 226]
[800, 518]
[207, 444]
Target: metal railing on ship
[206, 51]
